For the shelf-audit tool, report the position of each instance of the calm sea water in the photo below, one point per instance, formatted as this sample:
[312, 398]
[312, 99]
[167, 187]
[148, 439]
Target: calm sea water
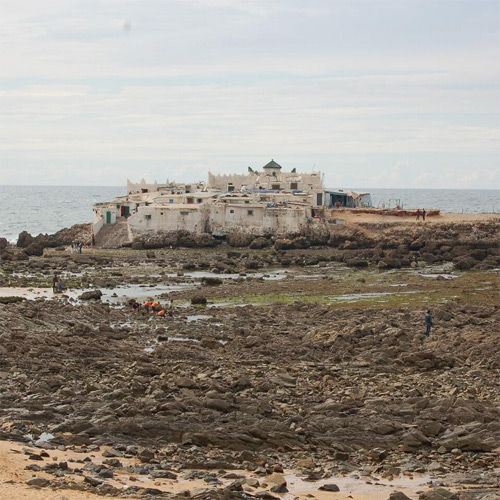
[46, 209]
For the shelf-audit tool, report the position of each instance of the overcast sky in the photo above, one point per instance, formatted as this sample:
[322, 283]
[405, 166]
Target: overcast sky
[375, 93]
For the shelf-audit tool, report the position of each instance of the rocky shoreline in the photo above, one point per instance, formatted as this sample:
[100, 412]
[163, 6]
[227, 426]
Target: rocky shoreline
[302, 357]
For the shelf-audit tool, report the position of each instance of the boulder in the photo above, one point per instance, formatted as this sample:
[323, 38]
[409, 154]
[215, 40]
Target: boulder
[198, 300]
[24, 239]
[438, 494]
[91, 295]
[398, 495]
[211, 281]
[329, 487]
[38, 482]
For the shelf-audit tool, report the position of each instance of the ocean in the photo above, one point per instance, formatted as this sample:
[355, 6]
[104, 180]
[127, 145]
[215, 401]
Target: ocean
[46, 209]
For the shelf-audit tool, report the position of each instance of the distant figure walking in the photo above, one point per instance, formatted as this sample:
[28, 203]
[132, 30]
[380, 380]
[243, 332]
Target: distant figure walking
[428, 323]
[93, 239]
[418, 214]
[423, 213]
[55, 282]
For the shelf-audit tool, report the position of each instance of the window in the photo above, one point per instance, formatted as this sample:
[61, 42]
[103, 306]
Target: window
[275, 187]
[161, 213]
[143, 190]
[294, 185]
[170, 200]
[189, 200]
[231, 211]
[230, 188]
[247, 201]
[319, 198]
[147, 217]
[184, 212]
[199, 200]
[250, 212]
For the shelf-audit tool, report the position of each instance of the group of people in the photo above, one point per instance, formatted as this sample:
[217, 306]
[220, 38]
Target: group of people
[150, 307]
[76, 246]
[421, 213]
[58, 285]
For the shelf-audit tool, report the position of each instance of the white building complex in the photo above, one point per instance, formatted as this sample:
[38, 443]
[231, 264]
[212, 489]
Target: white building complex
[264, 202]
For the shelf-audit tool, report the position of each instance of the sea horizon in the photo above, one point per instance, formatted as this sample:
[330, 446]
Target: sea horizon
[328, 187]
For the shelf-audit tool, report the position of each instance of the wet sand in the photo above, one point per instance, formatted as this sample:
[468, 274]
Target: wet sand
[15, 457]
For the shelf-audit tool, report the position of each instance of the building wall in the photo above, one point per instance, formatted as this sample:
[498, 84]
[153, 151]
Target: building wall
[170, 187]
[255, 219]
[165, 218]
[219, 218]
[305, 182]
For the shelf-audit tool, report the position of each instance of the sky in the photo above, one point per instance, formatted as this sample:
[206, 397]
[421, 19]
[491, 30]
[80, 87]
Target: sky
[374, 93]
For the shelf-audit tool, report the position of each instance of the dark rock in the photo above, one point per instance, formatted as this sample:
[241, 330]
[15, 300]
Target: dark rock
[438, 494]
[24, 239]
[92, 481]
[211, 281]
[11, 300]
[198, 300]
[329, 487]
[91, 295]
[38, 482]
[398, 495]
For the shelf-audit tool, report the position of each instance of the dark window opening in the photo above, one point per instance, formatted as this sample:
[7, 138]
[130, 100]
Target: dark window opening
[190, 200]
[144, 190]
[230, 188]
[147, 217]
[250, 212]
[294, 185]
[275, 187]
[231, 211]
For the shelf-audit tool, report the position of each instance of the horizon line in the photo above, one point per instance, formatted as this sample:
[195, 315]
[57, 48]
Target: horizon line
[326, 188]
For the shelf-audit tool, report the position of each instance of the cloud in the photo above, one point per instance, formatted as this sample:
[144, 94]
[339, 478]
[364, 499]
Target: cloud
[183, 86]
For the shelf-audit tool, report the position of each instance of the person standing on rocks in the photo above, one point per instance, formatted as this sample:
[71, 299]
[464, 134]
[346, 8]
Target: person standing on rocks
[428, 323]
[423, 214]
[55, 282]
[418, 214]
